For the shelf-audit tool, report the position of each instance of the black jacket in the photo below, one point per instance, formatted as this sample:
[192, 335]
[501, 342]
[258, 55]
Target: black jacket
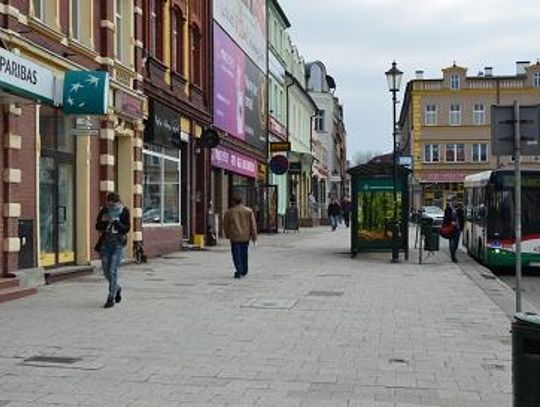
[123, 224]
[334, 209]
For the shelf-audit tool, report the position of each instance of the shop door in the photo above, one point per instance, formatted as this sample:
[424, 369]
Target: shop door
[56, 211]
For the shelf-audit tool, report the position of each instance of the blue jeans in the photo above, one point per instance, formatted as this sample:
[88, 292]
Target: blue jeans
[110, 261]
[239, 252]
[333, 221]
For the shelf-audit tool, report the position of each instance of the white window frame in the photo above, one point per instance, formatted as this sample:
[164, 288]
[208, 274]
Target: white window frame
[536, 79]
[454, 115]
[75, 11]
[479, 114]
[39, 14]
[153, 19]
[119, 30]
[162, 156]
[429, 149]
[454, 81]
[454, 148]
[430, 115]
[320, 120]
[478, 148]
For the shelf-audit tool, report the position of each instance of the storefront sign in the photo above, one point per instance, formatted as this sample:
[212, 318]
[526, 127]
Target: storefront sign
[25, 77]
[245, 22]
[86, 92]
[239, 92]
[86, 126]
[443, 176]
[280, 146]
[277, 128]
[295, 168]
[234, 162]
[163, 126]
[128, 105]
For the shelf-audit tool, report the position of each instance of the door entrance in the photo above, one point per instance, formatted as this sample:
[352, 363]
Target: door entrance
[56, 189]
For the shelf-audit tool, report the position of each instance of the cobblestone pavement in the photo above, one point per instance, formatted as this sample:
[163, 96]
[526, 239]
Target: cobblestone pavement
[308, 327]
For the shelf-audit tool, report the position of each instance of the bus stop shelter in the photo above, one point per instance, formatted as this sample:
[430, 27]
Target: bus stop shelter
[372, 190]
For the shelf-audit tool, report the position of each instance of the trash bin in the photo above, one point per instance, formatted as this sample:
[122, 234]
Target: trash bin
[431, 235]
[526, 359]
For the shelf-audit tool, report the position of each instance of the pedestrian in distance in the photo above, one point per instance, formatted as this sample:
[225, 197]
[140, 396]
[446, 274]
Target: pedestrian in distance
[114, 223]
[240, 227]
[454, 216]
[346, 210]
[334, 211]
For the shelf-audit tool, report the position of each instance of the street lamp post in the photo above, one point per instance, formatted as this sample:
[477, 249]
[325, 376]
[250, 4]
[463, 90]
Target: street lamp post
[393, 77]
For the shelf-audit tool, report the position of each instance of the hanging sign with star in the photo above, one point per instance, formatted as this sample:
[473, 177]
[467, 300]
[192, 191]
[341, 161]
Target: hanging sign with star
[86, 92]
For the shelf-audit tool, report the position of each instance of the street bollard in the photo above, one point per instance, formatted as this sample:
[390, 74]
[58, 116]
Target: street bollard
[526, 359]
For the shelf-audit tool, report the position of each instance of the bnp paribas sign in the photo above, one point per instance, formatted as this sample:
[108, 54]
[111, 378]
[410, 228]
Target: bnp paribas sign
[25, 78]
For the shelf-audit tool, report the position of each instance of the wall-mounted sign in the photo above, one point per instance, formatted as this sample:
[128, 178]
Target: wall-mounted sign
[245, 22]
[163, 126]
[234, 162]
[128, 105]
[280, 146]
[239, 92]
[279, 164]
[86, 126]
[295, 168]
[86, 92]
[25, 78]
[277, 128]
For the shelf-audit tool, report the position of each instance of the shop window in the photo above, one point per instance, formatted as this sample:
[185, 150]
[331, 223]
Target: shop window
[161, 186]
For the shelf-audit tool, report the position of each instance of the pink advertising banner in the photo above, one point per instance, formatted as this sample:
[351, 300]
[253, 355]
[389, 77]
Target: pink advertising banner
[231, 160]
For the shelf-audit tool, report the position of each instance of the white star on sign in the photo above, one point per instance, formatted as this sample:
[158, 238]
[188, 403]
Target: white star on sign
[93, 80]
[76, 86]
[81, 104]
[70, 101]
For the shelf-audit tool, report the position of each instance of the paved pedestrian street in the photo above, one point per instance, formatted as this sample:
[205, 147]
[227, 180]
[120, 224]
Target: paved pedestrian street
[308, 327]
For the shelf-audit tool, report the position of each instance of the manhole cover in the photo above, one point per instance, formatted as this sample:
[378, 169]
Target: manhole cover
[493, 366]
[333, 275]
[183, 284]
[271, 303]
[220, 284]
[53, 359]
[154, 279]
[89, 280]
[325, 293]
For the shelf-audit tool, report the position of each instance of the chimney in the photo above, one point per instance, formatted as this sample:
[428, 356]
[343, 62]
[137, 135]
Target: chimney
[419, 74]
[488, 71]
[520, 67]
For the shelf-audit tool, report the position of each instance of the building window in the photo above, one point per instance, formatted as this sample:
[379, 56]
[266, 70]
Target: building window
[177, 43]
[75, 19]
[455, 115]
[431, 153]
[161, 186]
[431, 115]
[38, 9]
[196, 70]
[455, 153]
[119, 30]
[319, 120]
[155, 28]
[536, 80]
[479, 116]
[454, 82]
[479, 153]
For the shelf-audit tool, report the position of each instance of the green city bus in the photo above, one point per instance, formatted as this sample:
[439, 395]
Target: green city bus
[489, 233]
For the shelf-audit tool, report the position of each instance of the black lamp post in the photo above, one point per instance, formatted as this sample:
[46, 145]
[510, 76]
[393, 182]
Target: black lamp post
[393, 77]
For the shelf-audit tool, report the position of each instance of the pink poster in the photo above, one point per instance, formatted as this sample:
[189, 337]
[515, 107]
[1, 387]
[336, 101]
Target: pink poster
[235, 162]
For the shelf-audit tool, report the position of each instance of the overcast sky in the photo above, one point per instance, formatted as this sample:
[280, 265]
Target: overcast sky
[358, 39]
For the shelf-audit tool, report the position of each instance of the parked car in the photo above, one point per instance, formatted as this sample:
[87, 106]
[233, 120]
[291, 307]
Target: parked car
[434, 213]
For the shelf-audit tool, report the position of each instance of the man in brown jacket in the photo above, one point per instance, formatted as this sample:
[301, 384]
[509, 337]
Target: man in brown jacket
[240, 227]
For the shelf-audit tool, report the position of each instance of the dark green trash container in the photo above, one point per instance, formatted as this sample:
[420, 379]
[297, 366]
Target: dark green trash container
[526, 359]
[431, 235]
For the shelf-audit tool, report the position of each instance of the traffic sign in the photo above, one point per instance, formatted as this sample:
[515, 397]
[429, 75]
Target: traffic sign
[279, 164]
[503, 130]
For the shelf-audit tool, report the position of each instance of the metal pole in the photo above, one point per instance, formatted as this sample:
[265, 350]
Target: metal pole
[395, 231]
[517, 157]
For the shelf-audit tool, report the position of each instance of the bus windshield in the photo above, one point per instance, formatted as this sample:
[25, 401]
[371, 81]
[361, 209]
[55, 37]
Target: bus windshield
[501, 212]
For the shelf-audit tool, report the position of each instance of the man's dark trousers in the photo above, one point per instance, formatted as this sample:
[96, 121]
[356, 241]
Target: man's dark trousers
[239, 252]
